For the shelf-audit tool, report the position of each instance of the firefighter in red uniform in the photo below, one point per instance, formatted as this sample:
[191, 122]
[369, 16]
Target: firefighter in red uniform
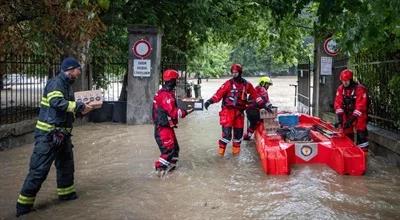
[253, 113]
[234, 101]
[351, 107]
[165, 115]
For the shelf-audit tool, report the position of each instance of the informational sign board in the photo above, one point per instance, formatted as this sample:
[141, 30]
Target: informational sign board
[141, 68]
[94, 97]
[326, 66]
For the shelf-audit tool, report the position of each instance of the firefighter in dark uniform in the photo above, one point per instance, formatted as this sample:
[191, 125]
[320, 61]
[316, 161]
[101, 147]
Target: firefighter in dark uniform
[58, 110]
[351, 107]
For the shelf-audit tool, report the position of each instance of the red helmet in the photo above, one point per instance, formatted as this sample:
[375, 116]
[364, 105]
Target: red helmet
[346, 75]
[170, 74]
[236, 67]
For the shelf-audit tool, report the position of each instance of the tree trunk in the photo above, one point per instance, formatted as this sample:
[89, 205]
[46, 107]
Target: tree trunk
[81, 53]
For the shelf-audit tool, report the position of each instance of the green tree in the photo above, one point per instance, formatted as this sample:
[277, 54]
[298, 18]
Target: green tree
[211, 59]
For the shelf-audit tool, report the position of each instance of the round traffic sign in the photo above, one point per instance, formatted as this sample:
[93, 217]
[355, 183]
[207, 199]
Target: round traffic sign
[331, 47]
[142, 48]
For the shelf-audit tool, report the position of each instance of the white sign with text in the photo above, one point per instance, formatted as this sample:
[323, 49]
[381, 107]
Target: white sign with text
[141, 68]
[326, 66]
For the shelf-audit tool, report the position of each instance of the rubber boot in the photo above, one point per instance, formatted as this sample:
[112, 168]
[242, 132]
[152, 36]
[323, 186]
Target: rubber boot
[71, 196]
[221, 150]
[235, 149]
[23, 209]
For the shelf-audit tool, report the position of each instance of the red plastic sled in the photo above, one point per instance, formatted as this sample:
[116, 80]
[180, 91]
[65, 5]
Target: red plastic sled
[326, 147]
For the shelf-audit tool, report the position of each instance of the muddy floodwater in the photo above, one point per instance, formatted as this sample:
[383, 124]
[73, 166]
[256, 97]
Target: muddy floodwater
[114, 177]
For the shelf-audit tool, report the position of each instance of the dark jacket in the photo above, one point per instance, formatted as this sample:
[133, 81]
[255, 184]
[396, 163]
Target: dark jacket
[58, 107]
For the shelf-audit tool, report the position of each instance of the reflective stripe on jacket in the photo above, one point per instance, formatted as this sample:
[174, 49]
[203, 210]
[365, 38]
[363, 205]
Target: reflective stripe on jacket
[234, 94]
[352, 100]
[58, 106]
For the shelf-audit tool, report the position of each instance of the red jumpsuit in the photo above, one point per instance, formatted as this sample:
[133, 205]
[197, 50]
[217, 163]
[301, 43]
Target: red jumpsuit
[253, 113]
[234, 101]
[165, 118]
[352, 102]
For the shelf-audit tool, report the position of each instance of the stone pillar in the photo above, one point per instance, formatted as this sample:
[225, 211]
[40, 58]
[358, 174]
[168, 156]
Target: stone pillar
[325, 85]
[144, 72]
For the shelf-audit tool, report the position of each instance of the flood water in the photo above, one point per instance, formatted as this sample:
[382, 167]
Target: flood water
[114, 177]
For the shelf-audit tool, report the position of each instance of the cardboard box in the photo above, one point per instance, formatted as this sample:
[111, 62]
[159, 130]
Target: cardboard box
[187, 103]
[271, 126]
[264, 114]
[94, 97]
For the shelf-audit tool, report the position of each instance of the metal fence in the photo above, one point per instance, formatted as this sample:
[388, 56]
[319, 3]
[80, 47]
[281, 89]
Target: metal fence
[381, 75]
[304, 86]
[22, 79]
[109, 78]
[182, 87]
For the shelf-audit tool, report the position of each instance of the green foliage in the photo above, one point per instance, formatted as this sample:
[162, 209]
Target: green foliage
[394, 88]
[47, 27]
[256, 59]
[380, 74]
[279, 32]
[211, 59]
[364, 25]
[358, 25]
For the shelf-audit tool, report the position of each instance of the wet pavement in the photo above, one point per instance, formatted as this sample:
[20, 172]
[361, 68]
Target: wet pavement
[114, 177]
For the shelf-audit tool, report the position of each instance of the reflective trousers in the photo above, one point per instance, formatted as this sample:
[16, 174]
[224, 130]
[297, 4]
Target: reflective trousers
[231, 119]
[44, 153]
[168, 145]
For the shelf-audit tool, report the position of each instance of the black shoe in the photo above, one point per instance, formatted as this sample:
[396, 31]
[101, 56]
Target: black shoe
[23, 210]
[171, 167]
[71, 196]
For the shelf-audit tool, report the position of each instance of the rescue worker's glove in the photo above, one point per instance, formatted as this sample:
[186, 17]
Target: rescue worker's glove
[349, 122]
[80, 106]
[207, 103]
[87, 108]
[58, 137]
[268, 107]
[189, 110]
[339, 119]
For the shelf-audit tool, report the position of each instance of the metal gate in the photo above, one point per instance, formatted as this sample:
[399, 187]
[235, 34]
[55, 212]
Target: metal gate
[304, 88]
[180, 66]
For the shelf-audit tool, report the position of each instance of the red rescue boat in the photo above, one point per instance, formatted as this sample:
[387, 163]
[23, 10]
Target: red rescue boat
[326, 145]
